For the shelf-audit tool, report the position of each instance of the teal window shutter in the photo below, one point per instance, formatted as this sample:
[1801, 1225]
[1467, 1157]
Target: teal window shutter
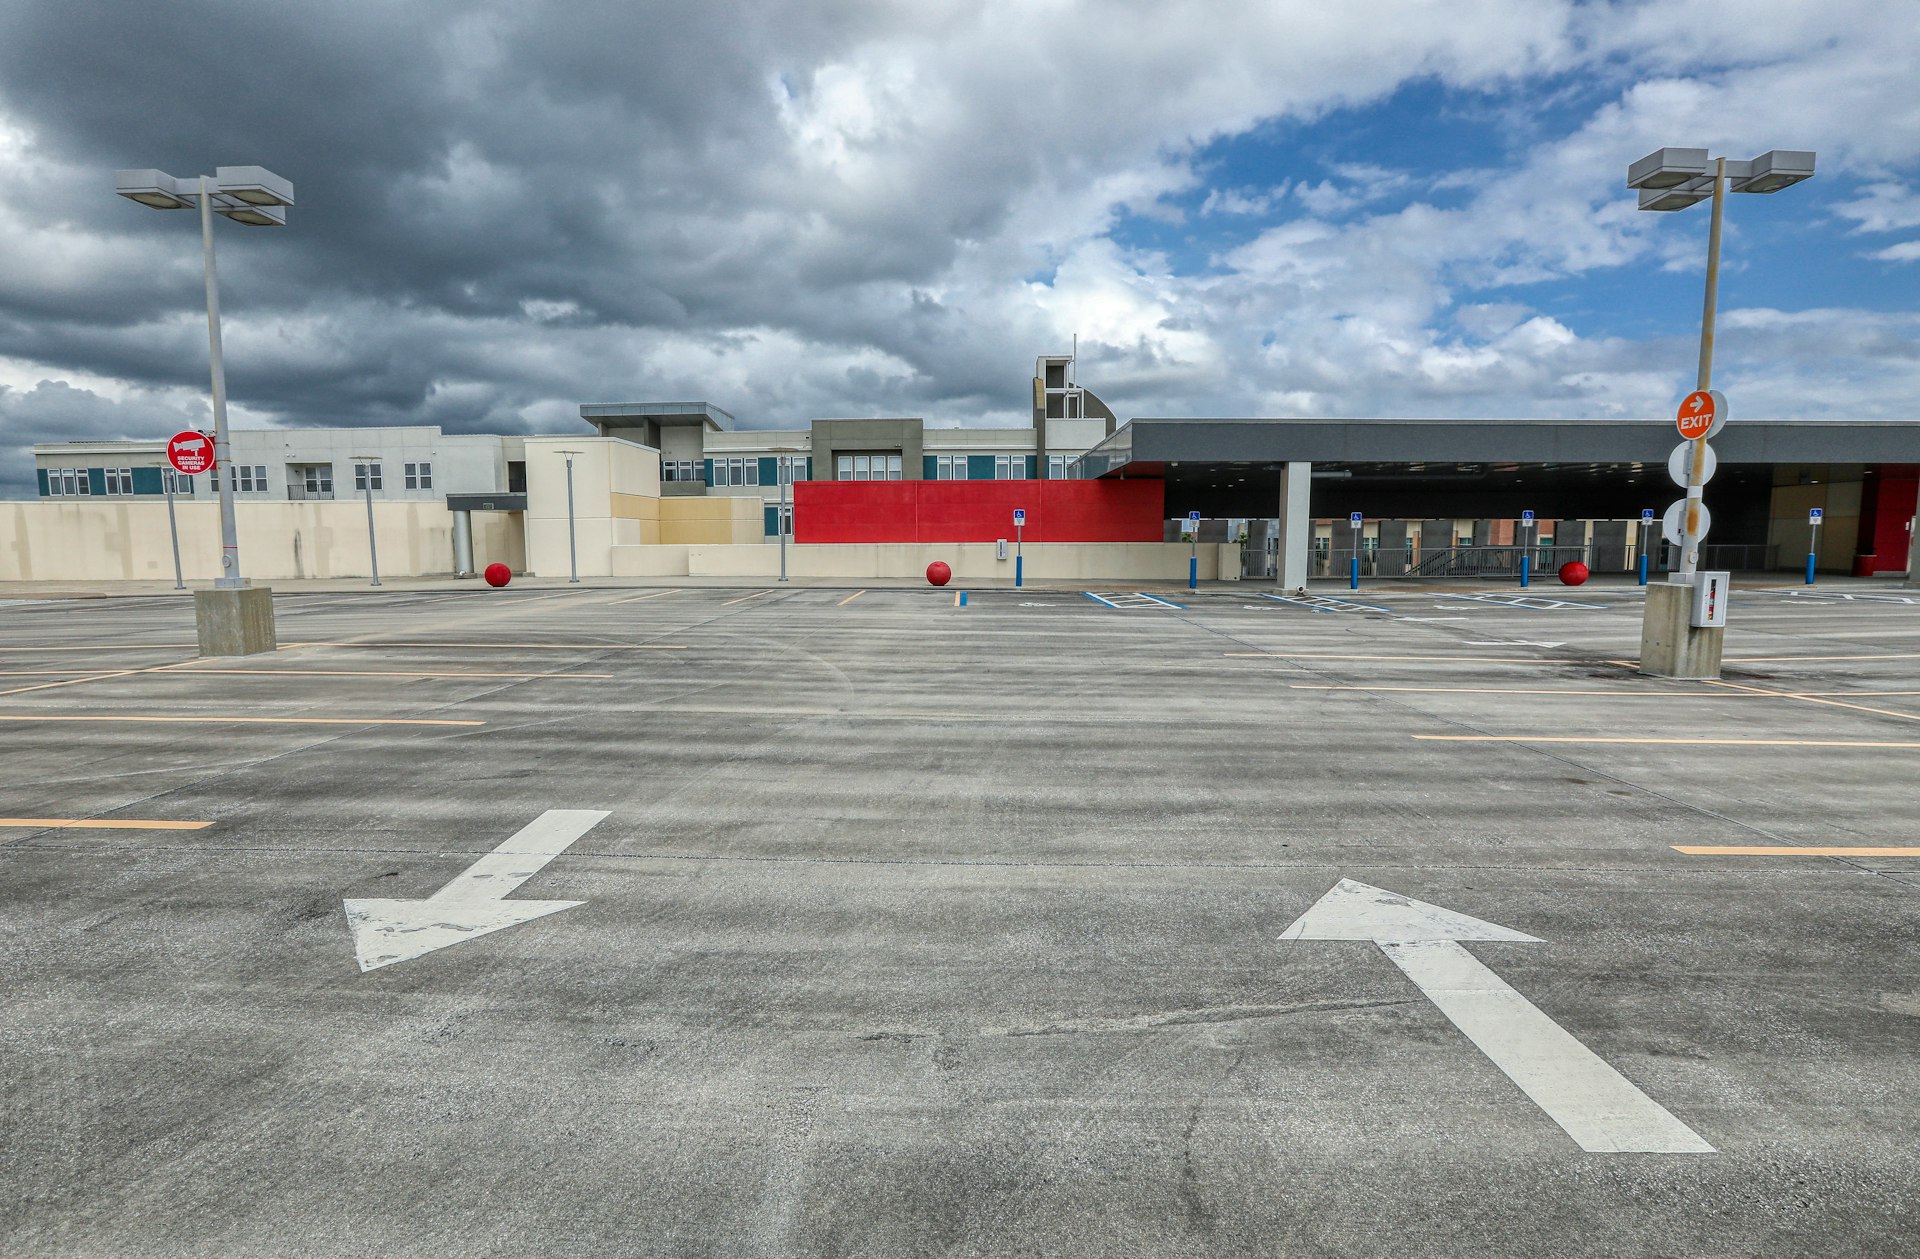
[979, 467]
[809, 467]
[43, 482]
[709, 472]
[147, 481]
[97, 479]
[929, 467]
[1033, 466]
[769, 470]
[771, 518]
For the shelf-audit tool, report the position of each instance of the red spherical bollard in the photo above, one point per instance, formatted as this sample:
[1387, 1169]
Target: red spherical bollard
[1573, 573]
[498, 574]
[938, 574]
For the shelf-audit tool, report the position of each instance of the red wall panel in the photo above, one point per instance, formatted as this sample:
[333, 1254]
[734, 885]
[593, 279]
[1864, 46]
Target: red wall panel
[977, 511]
[1886, 510]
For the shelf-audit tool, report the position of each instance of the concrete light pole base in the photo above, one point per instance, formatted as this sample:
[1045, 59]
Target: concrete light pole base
[235, 622]
[1670, 647]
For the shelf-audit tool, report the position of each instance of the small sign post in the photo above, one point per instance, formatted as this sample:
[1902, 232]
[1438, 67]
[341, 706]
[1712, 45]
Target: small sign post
[190, 453]
[1353, 563]
[1646, 533]
[1019, 523]
[1526, 549]
[1814, 515]
[1193, 554]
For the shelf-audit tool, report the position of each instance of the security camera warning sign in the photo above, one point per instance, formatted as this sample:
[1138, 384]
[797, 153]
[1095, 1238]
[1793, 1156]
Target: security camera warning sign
[190, 452]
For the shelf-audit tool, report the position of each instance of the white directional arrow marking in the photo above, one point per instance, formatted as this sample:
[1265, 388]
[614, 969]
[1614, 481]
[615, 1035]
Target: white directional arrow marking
[1595, 1104]
[389, 931]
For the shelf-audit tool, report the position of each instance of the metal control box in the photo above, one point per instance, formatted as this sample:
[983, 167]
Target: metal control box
[1000, 543]
[1710, 590]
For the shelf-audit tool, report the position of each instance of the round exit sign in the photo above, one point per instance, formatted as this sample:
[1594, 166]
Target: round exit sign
[190, 452]
[1701, 414]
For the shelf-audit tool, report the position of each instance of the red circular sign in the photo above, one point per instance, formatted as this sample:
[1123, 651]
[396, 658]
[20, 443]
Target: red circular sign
[190, 452]
[1699, 415]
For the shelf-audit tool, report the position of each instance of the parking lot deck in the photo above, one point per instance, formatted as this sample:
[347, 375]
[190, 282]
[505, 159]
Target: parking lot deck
[761, 920]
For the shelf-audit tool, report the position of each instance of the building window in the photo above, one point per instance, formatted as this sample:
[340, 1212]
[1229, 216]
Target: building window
[950, 467]
[419, 476]
[736, 471]
[869, 467]
[1009, 467]
[119, 480]
[680, 470]
[177, 482]
[304, 480]
[366, 476]
[792, 468]
[247, 478]
[65, 482]
[1057, 467]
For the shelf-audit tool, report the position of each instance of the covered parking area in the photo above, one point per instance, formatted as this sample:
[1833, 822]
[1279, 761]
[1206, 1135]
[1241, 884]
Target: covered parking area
[1424, 486]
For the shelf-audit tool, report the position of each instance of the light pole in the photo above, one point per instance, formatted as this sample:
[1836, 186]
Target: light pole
[573, 556]
[783, 472]
[1673, 179]
[256, 197]
[173, 527]
[1674, 640]
[366, 470]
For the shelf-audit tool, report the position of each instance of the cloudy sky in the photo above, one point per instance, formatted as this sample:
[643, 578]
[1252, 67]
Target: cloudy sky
[1289, 207]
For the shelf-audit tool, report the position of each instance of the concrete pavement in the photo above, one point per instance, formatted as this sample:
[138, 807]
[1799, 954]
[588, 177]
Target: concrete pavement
[918, 929]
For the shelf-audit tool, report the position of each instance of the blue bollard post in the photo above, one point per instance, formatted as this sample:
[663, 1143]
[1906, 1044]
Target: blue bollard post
[1523, 571]
[1811, 556]
[1353, 573]
[963, 598]
[1643, 569]
[1193, 572]
[1018, 561]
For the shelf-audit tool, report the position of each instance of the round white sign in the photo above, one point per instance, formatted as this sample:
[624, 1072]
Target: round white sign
[1681, 461]
[1675, 519]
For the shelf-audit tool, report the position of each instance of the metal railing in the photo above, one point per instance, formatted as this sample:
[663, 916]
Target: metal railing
[297, 493]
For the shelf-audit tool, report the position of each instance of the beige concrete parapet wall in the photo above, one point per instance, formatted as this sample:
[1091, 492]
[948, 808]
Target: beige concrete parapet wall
[105, 539]
[970, 561]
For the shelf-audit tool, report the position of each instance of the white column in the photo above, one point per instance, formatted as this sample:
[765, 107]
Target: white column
[1296, 526]
[463, 544]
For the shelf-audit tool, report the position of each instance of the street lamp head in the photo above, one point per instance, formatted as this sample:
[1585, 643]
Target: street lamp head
[254, 215]
[153, 188]
[255, 185]
[1677, 198]
[1664, 168]
[1776, 169]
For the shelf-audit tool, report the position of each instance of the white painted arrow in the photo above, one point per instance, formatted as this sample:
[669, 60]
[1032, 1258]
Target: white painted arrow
[1596, 1105]
[389, 931]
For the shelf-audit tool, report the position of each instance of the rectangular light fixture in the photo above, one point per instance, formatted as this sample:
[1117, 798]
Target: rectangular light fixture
[1777, 169]
[1673, 198]
[255, 215]
[153, 188]
[255, 185]
[1663, 168]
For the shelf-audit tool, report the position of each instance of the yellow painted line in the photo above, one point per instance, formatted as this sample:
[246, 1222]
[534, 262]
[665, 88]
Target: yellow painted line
[95, 677]
[512, 646]
[1727, 743]
[256, 721]
[1786, 850]
[1910, 655]
[1518, 690]
[855, 595]
[107, 647]
[102, 824]
[744, 598]
[59, 673]
[375, 673]
[658, 594]
[1308, 655]
[1812, 699]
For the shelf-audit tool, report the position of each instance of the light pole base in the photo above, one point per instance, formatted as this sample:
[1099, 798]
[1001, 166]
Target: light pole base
[1671, 647]
[235, 622]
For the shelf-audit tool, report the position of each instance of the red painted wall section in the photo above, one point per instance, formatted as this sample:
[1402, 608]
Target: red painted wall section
[1887, 503]
[977, 511]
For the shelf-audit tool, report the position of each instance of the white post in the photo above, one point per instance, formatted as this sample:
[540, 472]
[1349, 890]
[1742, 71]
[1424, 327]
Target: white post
[173, 527]
[222, 454]
[573, 556]
[782, 469]
[463, 544]
[373, 549]
[1697, 462]
[1296, 526]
